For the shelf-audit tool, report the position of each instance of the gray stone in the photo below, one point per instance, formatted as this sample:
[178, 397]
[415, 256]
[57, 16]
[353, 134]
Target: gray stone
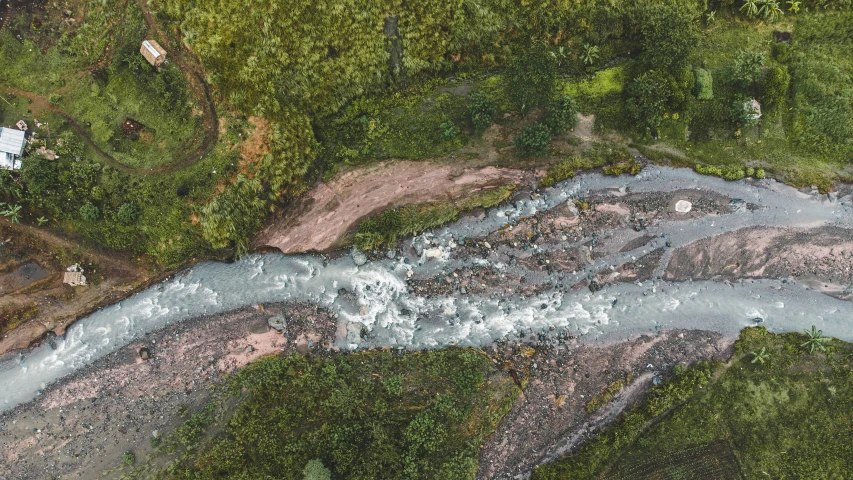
[358, 257]
[277, 322]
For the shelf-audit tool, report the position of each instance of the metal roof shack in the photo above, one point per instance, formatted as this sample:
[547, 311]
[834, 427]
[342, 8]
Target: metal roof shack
[153, 52]
[11, 148]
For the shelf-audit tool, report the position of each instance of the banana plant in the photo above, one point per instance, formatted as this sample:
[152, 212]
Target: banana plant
[12, 213]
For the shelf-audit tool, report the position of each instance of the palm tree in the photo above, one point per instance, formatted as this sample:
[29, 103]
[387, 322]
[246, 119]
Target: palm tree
[12, 213]
[760, 356]
[815, 339]
[794, 6]
[750, 8]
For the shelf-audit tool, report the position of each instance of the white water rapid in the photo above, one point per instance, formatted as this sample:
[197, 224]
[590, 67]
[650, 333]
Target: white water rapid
[392, 316]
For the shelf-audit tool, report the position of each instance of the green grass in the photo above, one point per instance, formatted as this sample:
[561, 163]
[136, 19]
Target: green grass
[101, 98]
[386, 227]
[363, 415]
[791, 417]
[404, 124]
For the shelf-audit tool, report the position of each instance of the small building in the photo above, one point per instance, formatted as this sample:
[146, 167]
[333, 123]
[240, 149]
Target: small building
[12, 143]
[752, 109]
[73, 276]
[153, 52]
[22, 125]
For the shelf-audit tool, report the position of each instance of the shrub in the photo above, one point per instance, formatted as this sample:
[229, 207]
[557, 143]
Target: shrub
[89, 212]
[562, 115]
[533, 141]
[315, 470]
[647, 97]
[449, 131]
[759, 173]
[704, 84]
[127, 214]
[781, 52]
[483, 111]
[774, 87]
[529, 81]
[54, 99]
[745, 71]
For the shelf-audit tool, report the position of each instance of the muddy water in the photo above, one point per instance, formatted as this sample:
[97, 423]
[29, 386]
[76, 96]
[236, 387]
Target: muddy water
[375, 308]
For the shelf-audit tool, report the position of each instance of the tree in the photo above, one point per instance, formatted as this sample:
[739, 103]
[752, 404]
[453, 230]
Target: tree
[127, 214]
[771, 10]
[482, 111]
[590, 54]
[315, 470]
[669, 36]
[760, 356]
[750, 8]
[562, 115]
[814, 339]
[533, 141]
[745, 71]
[647, 98]
[529, 81]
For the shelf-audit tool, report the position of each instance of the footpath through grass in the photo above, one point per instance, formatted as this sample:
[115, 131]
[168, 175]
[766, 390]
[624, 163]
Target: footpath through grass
[774, 411]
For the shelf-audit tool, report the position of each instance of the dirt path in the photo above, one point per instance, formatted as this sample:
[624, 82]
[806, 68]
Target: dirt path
[325, 215]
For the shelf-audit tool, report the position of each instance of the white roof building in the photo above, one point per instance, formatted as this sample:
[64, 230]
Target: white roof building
[11, 148]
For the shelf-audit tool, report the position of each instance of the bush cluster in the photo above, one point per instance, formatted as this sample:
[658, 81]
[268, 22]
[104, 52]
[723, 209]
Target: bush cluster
[533, 141]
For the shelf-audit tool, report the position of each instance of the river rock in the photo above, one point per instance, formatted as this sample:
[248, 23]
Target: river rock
[277, 322]
[683, 206]
[144, 353]
[358, 257]
[434, 252]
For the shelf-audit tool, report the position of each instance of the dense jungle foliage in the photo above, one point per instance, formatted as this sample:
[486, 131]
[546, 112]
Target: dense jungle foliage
[780, 408]
[341, 82]
[355, 416]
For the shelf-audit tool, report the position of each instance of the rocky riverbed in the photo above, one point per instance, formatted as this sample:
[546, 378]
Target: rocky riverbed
[584, 273]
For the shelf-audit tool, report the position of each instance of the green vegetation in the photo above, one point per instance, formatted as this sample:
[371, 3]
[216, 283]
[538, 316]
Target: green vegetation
[533, 141]
[418, 415]
[139, 170]
[773, 411]
[385, 228]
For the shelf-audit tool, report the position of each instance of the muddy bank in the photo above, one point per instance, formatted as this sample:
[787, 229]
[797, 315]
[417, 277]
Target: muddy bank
[83, 425]
[33, 299]
[325, 215]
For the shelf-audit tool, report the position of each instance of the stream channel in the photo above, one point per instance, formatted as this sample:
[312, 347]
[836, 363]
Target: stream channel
[375, 308]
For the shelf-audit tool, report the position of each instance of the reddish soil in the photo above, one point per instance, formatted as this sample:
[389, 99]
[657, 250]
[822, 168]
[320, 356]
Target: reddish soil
[325, 215]
[822, 257]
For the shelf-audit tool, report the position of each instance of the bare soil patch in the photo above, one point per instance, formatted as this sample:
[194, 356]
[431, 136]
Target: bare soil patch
[325, 215]
[822, 257]
[34, 300]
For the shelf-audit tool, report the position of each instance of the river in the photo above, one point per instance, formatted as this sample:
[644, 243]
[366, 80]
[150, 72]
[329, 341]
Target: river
[385, 313]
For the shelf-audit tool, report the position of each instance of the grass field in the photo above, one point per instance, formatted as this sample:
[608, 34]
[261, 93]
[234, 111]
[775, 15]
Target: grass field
[787, 416]
[118, 85]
